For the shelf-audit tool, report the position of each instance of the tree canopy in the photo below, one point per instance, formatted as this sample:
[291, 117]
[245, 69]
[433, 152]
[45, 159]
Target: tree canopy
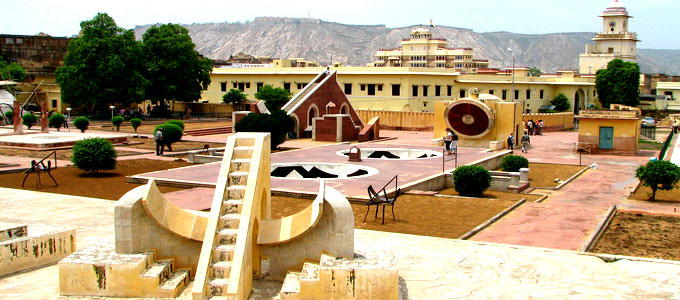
[274, 98]
[175, 70]
[619, 83]
[535, 72]
[103, 66]
[235, 97]
[561, 102]
[11, 71]
[662, 174]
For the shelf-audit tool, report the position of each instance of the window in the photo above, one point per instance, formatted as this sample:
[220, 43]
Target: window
[348, 88]
[299, 86]
[235, 84]
[528, 94]
[259, 86]
[610, 50]
[247, 85]
[505, 94]
[448, 90]
[396, 90]
[540, 94]
[516, 94]
[380, 87]
[425, 90]
[363, 87]
[437, 90]
[54, 103]
[371, 89]
[461, 93]
[223, 86]
[491, 92]
[241, 86]
[286, 86]
[415, 91]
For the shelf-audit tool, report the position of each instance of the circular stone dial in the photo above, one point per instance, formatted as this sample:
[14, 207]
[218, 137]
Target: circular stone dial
[468, 119]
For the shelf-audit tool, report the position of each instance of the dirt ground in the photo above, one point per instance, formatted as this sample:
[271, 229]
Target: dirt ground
[642, 235]
[148, 128]
[105, 185]
[63, 154]
[416, 214]
[543, 175]
[644, 192]
[150, 144]
[495, 195]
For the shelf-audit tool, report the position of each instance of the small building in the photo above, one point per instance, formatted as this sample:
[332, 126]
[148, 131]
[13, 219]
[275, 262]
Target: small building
[610, 131]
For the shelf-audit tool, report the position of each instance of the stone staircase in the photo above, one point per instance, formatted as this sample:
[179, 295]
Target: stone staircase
[209, 131]
[100, 271]
[21, 249]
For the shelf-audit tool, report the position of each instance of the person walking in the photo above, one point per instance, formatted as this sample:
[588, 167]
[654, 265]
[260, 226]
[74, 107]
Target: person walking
[526, 141]
[448, 138]
[511, 141]
[158, 136]
[454, 143]
[540, 127]
[530, 127]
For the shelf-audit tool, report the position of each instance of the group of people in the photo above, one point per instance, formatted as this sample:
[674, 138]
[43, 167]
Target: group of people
[451, 142]
[525, 140]
[534, 127]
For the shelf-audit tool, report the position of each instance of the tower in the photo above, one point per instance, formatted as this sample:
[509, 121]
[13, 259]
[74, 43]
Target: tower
[614, 41]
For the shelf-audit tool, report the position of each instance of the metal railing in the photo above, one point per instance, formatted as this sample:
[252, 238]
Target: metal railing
[648, 132]
[444, 160]
[666, 144]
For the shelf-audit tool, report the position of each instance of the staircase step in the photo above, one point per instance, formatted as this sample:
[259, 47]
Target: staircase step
[240, 165]
[221, 269]
[243, 152]
[310, 271]
[222, 298]
[227, 236]
[160, 271]
[230, 220]
[231, 207]
[223, 252]
[244, 142]
[236, 192]
[175, 284]
[10, 231]
[238, 178]
[218, 286]
[291, 286]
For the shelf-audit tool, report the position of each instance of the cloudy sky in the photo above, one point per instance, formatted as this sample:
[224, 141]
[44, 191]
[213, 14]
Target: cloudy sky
[655, 21]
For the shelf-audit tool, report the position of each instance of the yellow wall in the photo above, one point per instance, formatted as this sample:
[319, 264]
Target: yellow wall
[626, 133]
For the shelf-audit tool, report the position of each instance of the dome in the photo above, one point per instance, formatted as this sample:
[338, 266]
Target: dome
[615, 8]
[616, 4]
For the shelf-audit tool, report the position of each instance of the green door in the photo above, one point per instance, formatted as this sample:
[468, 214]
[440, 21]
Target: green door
[606, 137]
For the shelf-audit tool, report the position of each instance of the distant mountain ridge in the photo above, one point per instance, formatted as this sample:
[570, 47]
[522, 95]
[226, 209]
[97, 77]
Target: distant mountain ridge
[355, 45]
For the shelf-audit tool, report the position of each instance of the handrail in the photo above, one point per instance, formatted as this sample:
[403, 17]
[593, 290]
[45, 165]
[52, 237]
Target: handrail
[666, 144]
[41, 162]
[188, 224]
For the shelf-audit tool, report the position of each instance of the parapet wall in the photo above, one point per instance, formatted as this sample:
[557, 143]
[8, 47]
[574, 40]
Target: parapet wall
[552, 121]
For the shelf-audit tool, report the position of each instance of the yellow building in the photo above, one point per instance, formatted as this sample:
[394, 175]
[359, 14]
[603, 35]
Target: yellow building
[412, 89]
[424, 51]
[610, 131]
[671, 94]
[614, 41]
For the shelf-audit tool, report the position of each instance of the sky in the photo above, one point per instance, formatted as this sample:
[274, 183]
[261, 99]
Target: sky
[655, 21]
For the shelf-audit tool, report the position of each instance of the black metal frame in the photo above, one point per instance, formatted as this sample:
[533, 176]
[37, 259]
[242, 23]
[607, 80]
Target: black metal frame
[374, 198]
[39, 167]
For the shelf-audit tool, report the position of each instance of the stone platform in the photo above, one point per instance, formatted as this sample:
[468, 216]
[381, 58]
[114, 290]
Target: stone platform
[56, 139]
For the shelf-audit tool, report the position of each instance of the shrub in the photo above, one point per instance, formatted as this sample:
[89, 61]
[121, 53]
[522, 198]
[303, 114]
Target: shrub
[116, 121]
[135, 122]
[661, 174]
[561, 102]
[29, 119]
[81, 123]
[10, 116]
[278, 123]
[471, 181]
[171, 134]
[94, 154]
[512, 163]
[57, 120]
[176, 122]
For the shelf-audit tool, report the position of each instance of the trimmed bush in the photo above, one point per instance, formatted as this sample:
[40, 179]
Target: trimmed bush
[10, 116]
[57, 121]
[94, 154]
[81, 123]
[29, 119]
[171, 134]
[512, 163]
[278, 123]
[471, 181]
[135, 122]
[176, 122]
[116, 121]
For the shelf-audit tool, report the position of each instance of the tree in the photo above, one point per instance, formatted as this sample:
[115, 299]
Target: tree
[94, 154]
[81, 123]
[471, 181]
[561, 102]
[116, 121]
[619, 83]
[278, 123]
[29, 119]
[234, 97]
[102, 66]
[11, 71]
[174, 68]
[135, 122]
[662, 174]
[57, 120]
[535, 72]
[274, 98]
[171, 134]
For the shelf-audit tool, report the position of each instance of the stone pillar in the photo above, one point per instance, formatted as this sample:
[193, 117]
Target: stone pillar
[16, 120]
[43, 117]
[523, 176]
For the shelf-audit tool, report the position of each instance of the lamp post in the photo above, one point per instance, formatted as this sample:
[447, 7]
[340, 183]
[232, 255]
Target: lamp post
[112, 107]
[513, 75]
[68, 112]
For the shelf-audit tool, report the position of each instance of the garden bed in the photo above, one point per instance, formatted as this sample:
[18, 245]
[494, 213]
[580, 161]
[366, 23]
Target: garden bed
[150, 144]
[543, 175]
[643, 193]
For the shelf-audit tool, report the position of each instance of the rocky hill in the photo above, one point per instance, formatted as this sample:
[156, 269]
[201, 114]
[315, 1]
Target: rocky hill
[355, 45]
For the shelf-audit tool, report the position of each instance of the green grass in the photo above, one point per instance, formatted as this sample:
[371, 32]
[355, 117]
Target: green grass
[649, 145]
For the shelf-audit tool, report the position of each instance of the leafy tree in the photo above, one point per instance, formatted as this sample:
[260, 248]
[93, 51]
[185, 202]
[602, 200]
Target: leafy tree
[172, 65]
[561, 102]
[512, 163]
[135, 122]
[234, 97]
[116, 121]
[94, 154]
[29, 119]
[471, 181]
[103, 65]
[274, 98]
[57, 120]
[278, 123]
[663, 175]
[81, 123]
[11, 71]
[176, 122]
[535, 72]
[171, 134]
[619, 83]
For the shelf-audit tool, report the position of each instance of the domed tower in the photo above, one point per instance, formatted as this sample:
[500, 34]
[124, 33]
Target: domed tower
[614, 41]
